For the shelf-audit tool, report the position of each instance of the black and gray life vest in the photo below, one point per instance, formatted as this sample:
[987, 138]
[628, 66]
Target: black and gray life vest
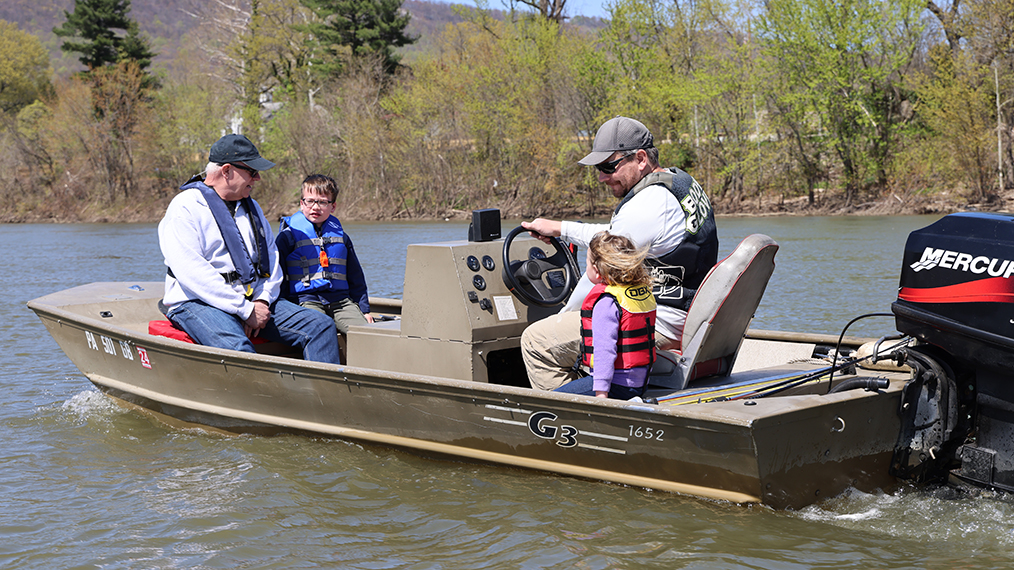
[678, 273]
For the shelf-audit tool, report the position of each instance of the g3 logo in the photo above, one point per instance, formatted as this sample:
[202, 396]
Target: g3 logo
[541, 426]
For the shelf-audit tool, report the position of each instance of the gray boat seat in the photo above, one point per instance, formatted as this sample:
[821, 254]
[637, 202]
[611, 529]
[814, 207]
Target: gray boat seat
[719, 315]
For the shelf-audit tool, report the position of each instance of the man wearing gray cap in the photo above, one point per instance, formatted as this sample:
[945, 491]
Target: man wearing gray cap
[223, 276]
[662, 209]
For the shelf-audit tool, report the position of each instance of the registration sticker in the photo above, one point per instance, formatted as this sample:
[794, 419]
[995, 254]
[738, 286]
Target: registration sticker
[143, 355]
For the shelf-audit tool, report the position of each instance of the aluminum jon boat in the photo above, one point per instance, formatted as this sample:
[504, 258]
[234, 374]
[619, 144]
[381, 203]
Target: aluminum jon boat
[740, 415]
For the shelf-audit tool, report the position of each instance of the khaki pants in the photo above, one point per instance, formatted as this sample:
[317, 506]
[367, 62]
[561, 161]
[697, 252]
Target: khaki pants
[550, 348]
[345, 313]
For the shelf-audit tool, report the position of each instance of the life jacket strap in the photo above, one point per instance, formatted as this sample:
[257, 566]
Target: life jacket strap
[304, 262]
[230, 277]
[320, 241]
[645, 331]
[329, 275]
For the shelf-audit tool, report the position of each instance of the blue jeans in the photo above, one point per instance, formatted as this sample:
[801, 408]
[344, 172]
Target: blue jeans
[586, 387]
[289, 324]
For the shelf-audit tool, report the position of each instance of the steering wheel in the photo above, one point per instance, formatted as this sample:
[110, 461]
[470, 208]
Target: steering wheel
[528, 279]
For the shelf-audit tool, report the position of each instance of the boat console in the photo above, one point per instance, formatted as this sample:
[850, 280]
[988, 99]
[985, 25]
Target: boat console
[459, 316]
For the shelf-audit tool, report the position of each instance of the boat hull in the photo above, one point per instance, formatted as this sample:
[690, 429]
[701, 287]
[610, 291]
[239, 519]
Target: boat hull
[786, 452]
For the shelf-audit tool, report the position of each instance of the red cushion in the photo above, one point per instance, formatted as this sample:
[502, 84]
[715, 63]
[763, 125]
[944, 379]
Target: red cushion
[166, 329]
[707, 368]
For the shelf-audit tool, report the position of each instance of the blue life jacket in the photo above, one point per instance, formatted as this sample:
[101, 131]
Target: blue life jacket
[247, 270]
[305, 270]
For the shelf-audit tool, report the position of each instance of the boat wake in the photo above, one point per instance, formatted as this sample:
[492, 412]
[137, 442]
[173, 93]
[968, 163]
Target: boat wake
[91, 404]
[984, 519]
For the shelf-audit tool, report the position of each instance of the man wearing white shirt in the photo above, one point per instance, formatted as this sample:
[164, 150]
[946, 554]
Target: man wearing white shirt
[223, 275]
[665, 210]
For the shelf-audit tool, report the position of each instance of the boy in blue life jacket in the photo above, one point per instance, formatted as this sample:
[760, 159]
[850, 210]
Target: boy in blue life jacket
[321, 269]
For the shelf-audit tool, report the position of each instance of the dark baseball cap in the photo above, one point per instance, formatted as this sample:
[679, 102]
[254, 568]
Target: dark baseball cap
[618, 133]
[237, 148]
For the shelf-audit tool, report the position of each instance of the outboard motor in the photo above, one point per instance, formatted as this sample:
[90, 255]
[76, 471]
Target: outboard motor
[957, 297]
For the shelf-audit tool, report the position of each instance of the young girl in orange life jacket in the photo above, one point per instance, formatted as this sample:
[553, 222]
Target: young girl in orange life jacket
[617, 321]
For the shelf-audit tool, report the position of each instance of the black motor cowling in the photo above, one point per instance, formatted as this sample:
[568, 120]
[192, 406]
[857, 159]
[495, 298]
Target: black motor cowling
[957, 295]
[957, 288]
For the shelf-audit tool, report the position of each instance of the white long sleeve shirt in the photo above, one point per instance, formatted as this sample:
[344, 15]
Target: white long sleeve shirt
[652, 218]
[195, 251]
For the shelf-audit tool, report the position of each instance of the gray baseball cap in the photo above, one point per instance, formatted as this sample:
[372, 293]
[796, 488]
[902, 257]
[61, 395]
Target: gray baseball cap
[237, 148]
[619, 133]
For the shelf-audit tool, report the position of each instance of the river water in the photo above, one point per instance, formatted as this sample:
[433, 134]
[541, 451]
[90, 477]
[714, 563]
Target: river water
[87, 484]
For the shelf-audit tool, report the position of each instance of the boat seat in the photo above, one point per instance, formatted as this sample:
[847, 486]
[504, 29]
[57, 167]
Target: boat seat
[167, 329]
[719, 315]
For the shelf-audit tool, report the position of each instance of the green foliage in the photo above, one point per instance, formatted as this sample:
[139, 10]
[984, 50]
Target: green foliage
[634, 38]
[92, 31]
[187, 116]
[119, 88]
[24, 69]
[28, 162]
[364, 27]
[960, 132]
[838, 60]
[275, 51]
[524, 99]
[691, 73]
[756, 98]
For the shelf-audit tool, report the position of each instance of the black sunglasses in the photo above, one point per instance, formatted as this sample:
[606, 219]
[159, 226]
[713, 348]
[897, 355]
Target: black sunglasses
[610, 167]
[252, 172]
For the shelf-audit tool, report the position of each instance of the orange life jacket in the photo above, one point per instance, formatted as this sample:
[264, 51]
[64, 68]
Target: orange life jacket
[636, 342]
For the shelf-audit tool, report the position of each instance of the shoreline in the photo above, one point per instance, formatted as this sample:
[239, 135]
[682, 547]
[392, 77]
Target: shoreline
[911, 205]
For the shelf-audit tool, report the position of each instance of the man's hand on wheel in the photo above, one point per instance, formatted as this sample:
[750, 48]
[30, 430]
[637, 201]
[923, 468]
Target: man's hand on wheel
[542, 229]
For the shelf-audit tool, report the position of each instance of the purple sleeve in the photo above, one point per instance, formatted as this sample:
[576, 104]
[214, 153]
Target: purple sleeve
[605, 335]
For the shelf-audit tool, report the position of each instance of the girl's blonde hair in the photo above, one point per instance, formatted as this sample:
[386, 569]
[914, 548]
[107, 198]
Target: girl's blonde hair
[618, 261]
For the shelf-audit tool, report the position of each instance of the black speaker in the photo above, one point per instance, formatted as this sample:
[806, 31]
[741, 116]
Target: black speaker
[485, 225]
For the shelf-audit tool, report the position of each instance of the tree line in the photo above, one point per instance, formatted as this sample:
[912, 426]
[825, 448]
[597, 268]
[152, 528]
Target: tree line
[812, 105]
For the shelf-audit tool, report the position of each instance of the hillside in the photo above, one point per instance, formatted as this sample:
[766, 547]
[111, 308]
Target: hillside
[164, 21]
[167, 21]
